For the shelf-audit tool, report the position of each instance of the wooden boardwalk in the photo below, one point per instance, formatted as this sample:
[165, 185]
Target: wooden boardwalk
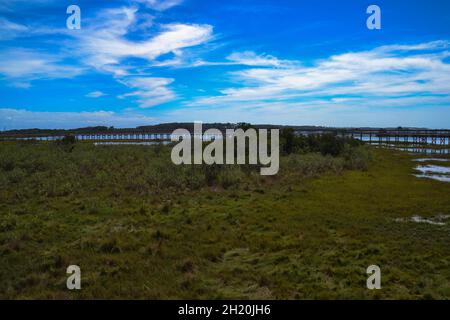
[410, 136]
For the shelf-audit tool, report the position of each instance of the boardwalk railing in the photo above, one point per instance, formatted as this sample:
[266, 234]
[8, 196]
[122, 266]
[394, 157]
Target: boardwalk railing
[410, 136]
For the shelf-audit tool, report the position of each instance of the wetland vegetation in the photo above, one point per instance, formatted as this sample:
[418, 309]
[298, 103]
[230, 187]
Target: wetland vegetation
[141, 227]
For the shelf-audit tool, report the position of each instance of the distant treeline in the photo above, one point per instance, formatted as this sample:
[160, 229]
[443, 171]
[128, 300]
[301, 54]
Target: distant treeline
[159, 128]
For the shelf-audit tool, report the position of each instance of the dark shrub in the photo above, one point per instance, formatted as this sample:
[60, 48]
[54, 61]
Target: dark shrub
[67, 143]
[68, 140]
[326, 144]
[287, 141]
[329, 144]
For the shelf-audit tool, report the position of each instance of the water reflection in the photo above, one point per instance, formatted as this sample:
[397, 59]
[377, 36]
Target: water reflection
[436, 177]
[426, 150]
[432, 159]
[433, 172]
[437, 221]
[433, 169]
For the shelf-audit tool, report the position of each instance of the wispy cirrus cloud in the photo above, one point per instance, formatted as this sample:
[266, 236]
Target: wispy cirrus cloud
[250, 58]
[106, 47]
[431, 112]
[244, 58]
[145, 51]
[22, 118]
[150, 91]
[161, 5]
[10, 30]
[106, 44]
[385, 72]
[21, 66]
[95, 94]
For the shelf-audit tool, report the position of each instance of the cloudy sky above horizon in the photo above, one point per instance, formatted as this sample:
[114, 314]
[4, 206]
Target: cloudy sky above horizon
[140, 62]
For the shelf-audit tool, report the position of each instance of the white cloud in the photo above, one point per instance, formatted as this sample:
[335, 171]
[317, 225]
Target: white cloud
[433, 45]
[388, 71]
[23, 119]
[161, 5]
[20, 66]
[105, 44]
[10, 30]
[95, 94]
[317, 112]
[250, 58]
[245, 58]
[150, 91]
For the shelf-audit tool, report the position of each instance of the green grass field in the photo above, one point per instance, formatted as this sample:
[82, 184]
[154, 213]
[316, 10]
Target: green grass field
[142, 228]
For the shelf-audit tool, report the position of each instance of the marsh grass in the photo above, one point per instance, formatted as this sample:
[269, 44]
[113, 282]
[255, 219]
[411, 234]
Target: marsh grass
[140, 227]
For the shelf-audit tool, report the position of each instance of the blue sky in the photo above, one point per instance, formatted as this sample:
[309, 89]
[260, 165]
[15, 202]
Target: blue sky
[141, 62]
